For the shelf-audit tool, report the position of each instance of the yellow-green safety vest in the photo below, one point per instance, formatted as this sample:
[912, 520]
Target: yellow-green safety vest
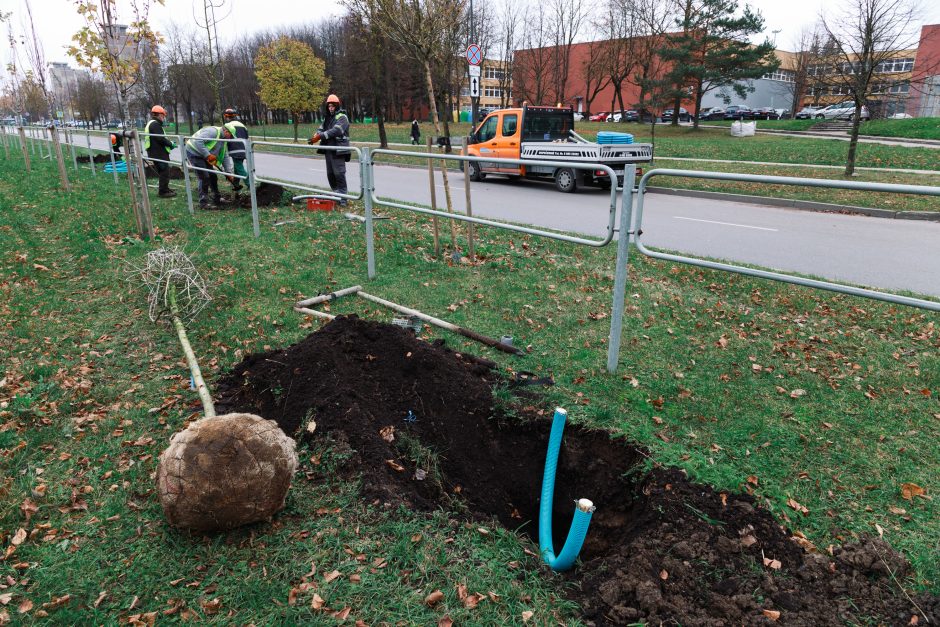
[210, 144]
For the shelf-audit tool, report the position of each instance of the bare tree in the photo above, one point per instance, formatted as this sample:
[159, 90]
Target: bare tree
[91, 99]
[37, 60]
[567, 20]
[620, 28]
[864, 37]
[532, 70]
[511, 14]
[207, 19]
[594, 71]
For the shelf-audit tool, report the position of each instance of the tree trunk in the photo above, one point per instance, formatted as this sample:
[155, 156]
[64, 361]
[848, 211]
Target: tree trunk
[429, 82]
[853, 141]
[296, 126]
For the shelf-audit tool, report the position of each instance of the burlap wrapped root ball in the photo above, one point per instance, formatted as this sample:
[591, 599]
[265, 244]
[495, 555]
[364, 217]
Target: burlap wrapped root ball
[226, 471]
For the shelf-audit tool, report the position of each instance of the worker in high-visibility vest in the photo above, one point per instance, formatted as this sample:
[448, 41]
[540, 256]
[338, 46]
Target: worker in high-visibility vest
[158, 149]
[206, 153]
[237, 149]
[117, 141]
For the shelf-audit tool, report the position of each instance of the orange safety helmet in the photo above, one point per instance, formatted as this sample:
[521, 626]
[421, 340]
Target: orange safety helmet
[332, 98]
[158, 110]
[230, 113]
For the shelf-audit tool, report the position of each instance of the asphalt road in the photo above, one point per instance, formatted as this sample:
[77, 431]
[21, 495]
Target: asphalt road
[872, 252]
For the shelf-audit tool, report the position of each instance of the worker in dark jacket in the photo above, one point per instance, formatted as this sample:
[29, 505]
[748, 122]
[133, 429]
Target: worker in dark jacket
[117, 142]
[415, 133]
[158, 149]
[236, 150]
[334, 131]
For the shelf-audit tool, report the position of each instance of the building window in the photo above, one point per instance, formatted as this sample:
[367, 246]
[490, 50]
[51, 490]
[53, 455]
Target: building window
[494, 72]
[492, 92]
[785, 76]
[464, 92]
[892, 66]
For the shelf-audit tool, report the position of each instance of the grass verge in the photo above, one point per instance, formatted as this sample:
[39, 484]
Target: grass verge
[830, 401]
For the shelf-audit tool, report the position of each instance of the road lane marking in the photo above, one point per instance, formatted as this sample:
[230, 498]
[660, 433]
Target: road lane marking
[743, 226]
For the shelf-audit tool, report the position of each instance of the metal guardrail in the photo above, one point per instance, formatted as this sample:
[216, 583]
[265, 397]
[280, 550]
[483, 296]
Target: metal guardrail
[620, 275]
[781, 276]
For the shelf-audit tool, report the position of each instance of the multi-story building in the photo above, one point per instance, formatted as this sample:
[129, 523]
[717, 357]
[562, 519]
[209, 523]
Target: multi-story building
[64, 87]
[495, 87]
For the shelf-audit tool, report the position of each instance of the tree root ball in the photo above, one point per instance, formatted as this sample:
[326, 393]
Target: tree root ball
[223, 472]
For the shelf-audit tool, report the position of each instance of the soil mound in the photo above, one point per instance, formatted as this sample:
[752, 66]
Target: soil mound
[99, 158]
[176, 173]
[660, 548]
[268, 194]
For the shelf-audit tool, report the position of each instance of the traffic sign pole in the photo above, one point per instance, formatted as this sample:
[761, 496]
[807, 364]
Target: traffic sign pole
[474, 56]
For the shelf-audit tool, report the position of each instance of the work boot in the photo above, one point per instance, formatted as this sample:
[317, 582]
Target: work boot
[167, 194]
[203, 204]
[219, 201]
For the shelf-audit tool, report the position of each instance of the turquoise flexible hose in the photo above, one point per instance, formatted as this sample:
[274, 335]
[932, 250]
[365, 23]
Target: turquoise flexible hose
[584, 509]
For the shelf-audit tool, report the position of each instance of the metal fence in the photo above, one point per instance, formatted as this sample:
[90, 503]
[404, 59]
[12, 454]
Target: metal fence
[33, 139]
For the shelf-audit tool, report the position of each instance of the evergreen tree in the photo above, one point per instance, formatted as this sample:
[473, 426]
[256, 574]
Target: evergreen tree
[712, 50]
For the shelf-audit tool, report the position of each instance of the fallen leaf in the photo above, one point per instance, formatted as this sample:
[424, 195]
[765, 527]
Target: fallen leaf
[434, 598]
[526, 616]
[774, 564]
[342, 614]
[663, 574]
[387, 433]
[473, 600]
[445, 621]
[317, 603]
[897, 510]
[800, 508]
[331, 576]
[772, 614]
[311, 426]
[212, 606]
[391, 463]
[910, 490]
[6, 598]
[748, 540]
[101, 597]
[24, 606]
[797, 393]
[462, 591]
[880, 529]
[19, 537]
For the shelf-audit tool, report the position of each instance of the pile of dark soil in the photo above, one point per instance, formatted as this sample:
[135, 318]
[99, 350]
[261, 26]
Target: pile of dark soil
[176, 173]
[660, 548]
[268, 195]
[99, 158]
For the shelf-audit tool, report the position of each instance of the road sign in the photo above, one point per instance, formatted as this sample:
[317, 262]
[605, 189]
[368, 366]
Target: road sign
[474, 70]
[474, 54]
[474, 86]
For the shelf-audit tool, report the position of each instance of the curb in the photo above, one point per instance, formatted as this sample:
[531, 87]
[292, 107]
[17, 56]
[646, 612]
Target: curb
[804, 205]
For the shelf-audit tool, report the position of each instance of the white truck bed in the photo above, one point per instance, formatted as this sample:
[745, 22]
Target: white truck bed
[608, 154]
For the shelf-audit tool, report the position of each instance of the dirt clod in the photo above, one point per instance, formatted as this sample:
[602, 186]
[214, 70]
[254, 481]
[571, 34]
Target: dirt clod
[363, 381]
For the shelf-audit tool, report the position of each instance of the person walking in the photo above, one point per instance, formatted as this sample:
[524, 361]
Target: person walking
[237, 149]
[158, 149]
[205, 151]
[334, 131]
[415, 133]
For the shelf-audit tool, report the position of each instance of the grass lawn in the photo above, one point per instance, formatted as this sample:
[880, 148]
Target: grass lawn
[828, 400]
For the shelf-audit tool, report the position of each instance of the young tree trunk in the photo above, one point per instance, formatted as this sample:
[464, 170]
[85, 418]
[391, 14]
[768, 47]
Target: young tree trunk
[853, 141]
[429, 82]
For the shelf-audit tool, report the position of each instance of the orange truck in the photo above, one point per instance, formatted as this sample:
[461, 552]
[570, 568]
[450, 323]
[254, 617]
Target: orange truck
[547, 134]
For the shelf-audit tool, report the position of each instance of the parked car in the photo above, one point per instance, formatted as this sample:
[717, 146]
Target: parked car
[683, 115]
[842, 111]
[712, 113]
[578, 116]
[783, 114]
[764, 113]
[630, 115]
[900, 116]
[599, 117]
[806, 113]
[736, 112]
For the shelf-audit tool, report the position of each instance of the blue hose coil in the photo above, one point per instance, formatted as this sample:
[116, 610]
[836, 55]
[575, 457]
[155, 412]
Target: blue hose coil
[583, 511]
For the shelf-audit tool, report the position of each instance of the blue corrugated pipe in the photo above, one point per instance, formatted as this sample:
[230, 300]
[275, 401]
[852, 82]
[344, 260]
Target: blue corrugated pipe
[583, 511]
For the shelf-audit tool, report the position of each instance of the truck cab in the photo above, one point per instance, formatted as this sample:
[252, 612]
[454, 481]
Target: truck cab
[546, 134]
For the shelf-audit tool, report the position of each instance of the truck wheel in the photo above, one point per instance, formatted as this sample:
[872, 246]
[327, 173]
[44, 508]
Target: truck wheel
[476, 174]
[566, 180]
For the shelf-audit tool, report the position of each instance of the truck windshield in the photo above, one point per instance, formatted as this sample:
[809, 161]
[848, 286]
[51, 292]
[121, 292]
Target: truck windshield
[546, 126]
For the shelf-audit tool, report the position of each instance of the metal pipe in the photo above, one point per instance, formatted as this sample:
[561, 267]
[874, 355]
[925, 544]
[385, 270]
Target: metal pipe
[250, 158]
[620, 270]
[315, 313]
[322, 298]
[366, 172]
[448, 326]
[91, 155]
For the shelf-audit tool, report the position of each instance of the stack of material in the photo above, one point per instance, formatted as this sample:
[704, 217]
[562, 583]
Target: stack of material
[119, 166]
[605, 137]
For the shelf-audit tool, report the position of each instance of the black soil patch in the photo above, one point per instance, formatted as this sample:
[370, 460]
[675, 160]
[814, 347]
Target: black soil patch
[660, 549]
[99, 158]
[176, 173]
[268, 195]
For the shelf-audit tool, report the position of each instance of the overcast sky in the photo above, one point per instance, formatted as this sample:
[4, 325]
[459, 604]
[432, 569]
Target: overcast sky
[57, 20]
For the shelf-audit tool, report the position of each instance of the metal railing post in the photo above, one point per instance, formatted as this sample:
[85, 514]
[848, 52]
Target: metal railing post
[365, 177]
[6, 149]
[70, 138]
[620, 270]
[184, 166]
[91, 155]
[113, 162]
[250, 157]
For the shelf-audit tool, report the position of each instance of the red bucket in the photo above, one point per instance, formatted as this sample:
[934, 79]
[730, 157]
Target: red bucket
[320, 204]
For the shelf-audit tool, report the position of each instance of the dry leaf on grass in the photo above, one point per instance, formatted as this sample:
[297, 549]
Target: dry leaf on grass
[771, 563]
[445, 621]
[800, 508]
[772, 614]
[434, 598]
[19, 537]
[910, 490]
[526, 616]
